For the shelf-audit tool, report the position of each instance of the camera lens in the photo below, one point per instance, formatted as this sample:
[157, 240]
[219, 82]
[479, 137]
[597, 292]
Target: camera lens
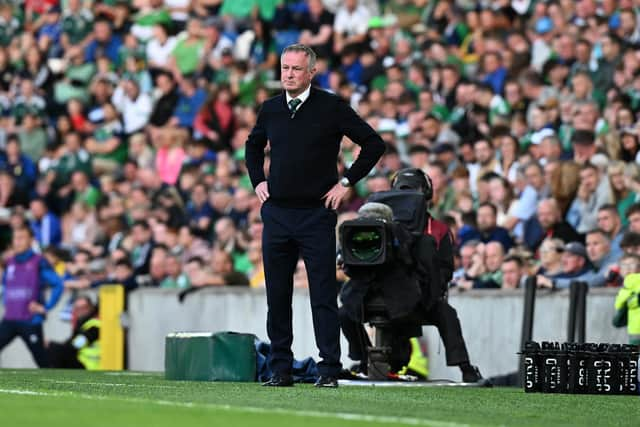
[365, 244]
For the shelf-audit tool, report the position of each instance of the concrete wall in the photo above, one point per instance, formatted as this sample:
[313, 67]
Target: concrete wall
[491, 324]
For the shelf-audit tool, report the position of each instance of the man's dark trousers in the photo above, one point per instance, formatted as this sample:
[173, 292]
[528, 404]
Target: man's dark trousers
[289, 233]
[30, 334]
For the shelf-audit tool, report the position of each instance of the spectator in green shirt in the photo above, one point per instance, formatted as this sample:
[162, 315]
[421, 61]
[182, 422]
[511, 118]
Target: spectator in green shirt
[83, 191]
[107, 145]
[77, 25]
[187, 56]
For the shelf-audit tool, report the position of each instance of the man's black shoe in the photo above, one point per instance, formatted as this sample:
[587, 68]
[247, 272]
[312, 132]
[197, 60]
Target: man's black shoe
[329, 382]
[471, 374]
[279, 381]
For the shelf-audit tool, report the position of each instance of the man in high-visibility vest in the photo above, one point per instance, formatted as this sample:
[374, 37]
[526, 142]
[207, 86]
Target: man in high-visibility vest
[628, 307]
[82, 349]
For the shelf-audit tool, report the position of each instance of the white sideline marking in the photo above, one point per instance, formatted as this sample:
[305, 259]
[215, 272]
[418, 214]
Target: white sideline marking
[106, 384]
[315, 414]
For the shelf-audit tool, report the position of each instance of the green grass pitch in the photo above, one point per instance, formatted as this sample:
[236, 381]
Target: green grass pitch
[77, 398]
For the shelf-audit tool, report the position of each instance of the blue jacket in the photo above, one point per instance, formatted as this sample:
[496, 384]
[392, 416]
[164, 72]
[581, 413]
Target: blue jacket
[47, 276]
[47, 231]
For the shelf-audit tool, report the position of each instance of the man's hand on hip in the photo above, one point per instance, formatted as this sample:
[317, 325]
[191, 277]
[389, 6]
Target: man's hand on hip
[335, 196]
[262, 191]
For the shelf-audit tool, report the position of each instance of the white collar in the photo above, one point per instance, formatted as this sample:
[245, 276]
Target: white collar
[302, 97]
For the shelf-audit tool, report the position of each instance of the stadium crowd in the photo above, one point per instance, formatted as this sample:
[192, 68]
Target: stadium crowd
[123, 124]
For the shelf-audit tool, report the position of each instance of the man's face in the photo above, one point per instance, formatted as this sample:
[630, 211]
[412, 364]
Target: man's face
[140, 235]
[510, 275]
[438, 179]
[486, 218]
[483, 152]
[21, 241]
[493, 256]
[295, 73]
[634, 222]
[572, 263]
[81, 308]
[466, 254]
[589, 178]
[534, 177]
[102, 31]
[597, 246]
[547, 215]
[608, 222]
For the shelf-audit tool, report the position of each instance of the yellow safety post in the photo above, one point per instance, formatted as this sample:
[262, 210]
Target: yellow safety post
[111, 330]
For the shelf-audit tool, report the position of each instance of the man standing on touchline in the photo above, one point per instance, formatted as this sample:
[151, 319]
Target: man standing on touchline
[304, 127]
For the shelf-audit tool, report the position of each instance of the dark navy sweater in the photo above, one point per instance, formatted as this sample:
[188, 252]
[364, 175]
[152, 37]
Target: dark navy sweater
[304, 148]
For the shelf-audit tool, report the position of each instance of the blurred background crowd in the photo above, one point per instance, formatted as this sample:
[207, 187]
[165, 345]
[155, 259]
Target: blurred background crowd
[123, 123]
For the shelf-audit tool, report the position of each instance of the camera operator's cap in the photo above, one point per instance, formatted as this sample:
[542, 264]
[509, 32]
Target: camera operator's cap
[576, 248]
[376, 210]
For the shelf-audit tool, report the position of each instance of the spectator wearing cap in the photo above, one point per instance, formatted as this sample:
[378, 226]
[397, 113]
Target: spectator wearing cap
[541, 49]
[535, 91]
[593, 193]
[548, 223]
[575, 267]
[609, 221]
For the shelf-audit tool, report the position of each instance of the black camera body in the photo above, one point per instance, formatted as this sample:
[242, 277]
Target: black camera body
[366, 242]
[378, 256]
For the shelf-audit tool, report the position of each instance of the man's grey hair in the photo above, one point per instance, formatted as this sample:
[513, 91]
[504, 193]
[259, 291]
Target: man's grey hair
[376, 211]
[310, 54]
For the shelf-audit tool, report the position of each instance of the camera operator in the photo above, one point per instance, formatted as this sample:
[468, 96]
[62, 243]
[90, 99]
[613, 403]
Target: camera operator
[440, 313]
[396, 281]
[432, 253]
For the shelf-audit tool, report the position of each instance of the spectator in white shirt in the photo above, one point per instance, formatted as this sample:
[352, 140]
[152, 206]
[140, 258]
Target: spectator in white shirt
[160, 47]
[350, 25]
[135, 107]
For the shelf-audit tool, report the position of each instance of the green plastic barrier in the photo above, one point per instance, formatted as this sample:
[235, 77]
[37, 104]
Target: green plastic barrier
[205, 356]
